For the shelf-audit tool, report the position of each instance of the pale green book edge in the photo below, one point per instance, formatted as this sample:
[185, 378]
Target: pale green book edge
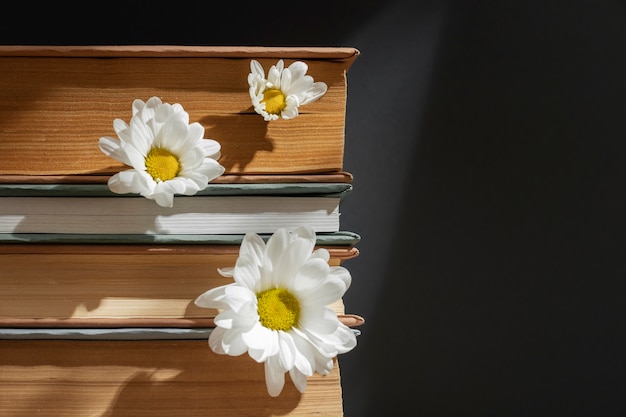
[341, 238]
[127, 333]
[102, 190]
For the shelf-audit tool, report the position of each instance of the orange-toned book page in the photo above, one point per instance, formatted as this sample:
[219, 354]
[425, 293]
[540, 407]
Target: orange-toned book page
[148, 378]
[51, 284]
[56, 102]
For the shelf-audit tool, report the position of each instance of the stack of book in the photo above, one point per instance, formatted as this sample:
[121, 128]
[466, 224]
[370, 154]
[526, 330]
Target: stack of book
[97, 289]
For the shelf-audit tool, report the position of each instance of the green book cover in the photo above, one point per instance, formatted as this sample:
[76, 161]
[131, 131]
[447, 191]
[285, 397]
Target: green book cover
[248, 189]
[340, 238]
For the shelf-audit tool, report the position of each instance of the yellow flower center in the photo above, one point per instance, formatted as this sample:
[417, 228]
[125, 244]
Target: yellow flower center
[278, 309]
[162, 165]
[274, 100]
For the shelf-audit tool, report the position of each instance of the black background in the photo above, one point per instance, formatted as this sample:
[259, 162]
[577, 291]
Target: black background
[487, 144]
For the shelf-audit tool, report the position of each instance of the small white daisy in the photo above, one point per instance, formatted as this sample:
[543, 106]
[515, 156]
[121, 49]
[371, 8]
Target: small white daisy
[277, 308]
[168, 155]
[284, 89]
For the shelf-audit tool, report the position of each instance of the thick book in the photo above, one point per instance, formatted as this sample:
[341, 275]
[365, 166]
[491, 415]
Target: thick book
[119, 285]
[148, 378]
[218, 209]
[57, 101]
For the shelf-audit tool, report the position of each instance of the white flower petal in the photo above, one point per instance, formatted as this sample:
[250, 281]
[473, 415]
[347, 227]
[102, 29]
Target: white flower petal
[240, 298]
[285, 81]
[209, 169]
[111, 147]
[300, 88]
[211, 148]
[213, 298]
[321, 362]
[146, 110]
[120, 127]
[321, 253]
[142, 136]
[341, 340]
[274, 378]
[262, 341]
[136, 158]
[344, 339]
[307, 234]
[319, 321]
[196, 181]
[312, 281]
[291, 109]
[323, 365]
[298, 69]
[287, 349]
[277, 244]
[129, 181]
[257, 68]
[226, 342]
[298, 379]
[232, 343]
[291, 261]
[227, 271]
[305, 359]
[314, 93]
[247, 272]
[215, 340]
[229, 319]
[162, 199]
[254, 246]
[171, 187]
[342, 274]
[172, 135]
[274, 74]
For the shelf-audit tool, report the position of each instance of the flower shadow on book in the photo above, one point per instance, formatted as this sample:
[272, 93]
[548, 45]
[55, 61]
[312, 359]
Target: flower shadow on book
[109, 281]
[225, 386]
[240, 136]
[137, 378]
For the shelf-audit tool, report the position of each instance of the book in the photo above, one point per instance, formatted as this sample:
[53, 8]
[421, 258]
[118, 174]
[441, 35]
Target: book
[148, 378]
[218, 209]
[119, 285]
[58, 101]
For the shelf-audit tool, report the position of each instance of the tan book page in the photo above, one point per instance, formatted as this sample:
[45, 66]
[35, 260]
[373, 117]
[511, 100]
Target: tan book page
[56, 103]
[62, 282]
[148, 378]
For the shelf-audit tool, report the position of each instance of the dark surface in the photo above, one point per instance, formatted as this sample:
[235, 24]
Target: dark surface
[487, 142]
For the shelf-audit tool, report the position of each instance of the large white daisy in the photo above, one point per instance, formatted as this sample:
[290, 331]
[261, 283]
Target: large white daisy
[277, 310]
[284, 89]
[168, 155]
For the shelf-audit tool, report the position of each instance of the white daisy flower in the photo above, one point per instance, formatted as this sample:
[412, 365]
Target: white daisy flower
[277, 308]
[284, 89]
[168, 155]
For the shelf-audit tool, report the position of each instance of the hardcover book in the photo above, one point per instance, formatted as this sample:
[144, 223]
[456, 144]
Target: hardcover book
[78, 378]
[218, 209]
[117, 284]
[56, 101]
